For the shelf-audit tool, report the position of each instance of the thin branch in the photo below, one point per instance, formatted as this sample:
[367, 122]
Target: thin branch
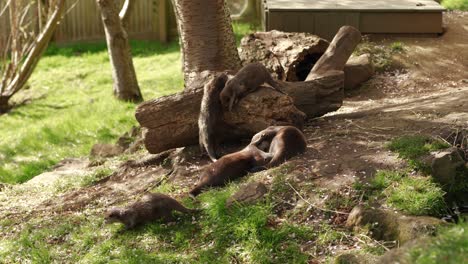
[40, 44]
[5, 8]
[124, 14]
[313, 205]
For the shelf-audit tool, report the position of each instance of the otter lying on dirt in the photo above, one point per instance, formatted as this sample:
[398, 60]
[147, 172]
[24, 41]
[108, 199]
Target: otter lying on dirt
[230, 167]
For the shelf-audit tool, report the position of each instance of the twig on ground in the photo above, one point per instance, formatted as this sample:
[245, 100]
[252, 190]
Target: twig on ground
[316, 207]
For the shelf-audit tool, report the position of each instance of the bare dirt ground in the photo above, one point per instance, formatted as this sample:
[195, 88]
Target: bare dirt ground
[426, 94]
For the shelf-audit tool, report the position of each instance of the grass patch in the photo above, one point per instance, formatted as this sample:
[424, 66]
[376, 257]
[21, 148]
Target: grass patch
[381, 55]
[216, 235]
[450, 246]
[397, 46]
[413, 148]
[417, 196]
[411, 195]
[373, 190]
[455, 4]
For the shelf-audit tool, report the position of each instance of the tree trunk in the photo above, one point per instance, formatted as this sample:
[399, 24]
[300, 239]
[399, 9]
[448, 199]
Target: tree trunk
[123, 72]
[206, 37]
[4, 106]
[317, 96]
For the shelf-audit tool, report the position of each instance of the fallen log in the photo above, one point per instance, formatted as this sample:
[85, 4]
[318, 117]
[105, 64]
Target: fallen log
[171, 121]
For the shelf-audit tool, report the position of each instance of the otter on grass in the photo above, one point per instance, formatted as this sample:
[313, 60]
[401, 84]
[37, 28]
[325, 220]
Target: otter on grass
[247, 80]
[153, 206]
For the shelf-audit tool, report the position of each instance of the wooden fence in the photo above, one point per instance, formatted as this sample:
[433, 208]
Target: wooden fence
[149, 20]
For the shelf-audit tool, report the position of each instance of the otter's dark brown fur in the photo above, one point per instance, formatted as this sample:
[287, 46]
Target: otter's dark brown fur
[211, 113]
[282, 142]
[230, 167]
[247, 80]
[151, 207]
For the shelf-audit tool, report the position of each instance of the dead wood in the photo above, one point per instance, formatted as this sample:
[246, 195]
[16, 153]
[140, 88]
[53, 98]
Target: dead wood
[172, 120]
[288, 56]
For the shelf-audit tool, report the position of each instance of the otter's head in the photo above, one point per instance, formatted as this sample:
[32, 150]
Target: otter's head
[113, 215]
[230, 92]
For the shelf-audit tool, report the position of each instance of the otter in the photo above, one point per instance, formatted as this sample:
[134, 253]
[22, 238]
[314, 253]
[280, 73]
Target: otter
[247, 80]
[281, 142]
[230, 167]
[210, 115]
[151, 207]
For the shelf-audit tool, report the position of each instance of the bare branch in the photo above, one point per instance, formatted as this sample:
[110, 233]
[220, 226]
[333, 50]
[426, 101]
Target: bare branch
[124, 14]
[41, 43]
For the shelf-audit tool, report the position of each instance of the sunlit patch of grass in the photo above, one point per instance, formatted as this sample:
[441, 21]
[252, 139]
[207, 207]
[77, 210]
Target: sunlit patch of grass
[450, 246]
[417, 196]
[216, 234]
[397, 46]
[455, 4]
[411, 195]
[78, 109]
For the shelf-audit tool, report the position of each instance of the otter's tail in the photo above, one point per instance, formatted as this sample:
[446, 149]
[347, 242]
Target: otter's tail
[210, 114]
[179, 207]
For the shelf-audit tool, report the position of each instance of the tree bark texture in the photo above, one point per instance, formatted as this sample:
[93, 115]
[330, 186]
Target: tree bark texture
[288, 56]
[337, 54]
[206, 37]
[314, 97]
[123, 72]
[255, 112]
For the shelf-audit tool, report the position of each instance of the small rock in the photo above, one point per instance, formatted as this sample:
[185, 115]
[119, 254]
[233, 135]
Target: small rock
[358, 70]
[444, 165]
[249, 193]
[355, 257]
[106, 150]
[402, 255]
[389, 226]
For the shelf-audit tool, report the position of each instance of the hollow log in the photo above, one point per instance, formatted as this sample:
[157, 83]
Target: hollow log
[171, 121]
[288, 56]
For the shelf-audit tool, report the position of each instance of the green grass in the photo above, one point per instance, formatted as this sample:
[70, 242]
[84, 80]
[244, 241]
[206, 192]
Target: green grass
[72, 106]
[417, 196]
[455, 4]
[215, 235]
[414, 147]
[397, 46]
[450, 246]
[409, 194]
